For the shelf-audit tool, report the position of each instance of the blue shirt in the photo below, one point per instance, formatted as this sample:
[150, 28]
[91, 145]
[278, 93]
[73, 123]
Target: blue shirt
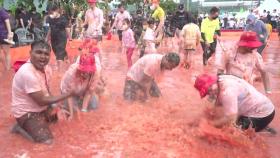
[259, 27]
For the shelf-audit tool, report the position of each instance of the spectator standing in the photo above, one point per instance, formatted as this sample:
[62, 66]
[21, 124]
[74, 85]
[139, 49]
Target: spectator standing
[94, 21]
[180, 18]
[119, 20]
[274, 19]
[24, 19]
[255, 25]
[58, 35]
[5, 34]
[210, 31]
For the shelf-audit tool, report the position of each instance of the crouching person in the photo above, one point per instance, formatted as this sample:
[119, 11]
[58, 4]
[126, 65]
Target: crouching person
[141, 76]
[32, 101]
[83, 77]
[240, 101]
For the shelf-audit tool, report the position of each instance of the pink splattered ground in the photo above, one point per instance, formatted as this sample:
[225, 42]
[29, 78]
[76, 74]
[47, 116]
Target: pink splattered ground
[173, 126]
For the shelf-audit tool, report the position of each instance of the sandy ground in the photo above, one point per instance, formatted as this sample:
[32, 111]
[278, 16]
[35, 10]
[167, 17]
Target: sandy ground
[169, 127]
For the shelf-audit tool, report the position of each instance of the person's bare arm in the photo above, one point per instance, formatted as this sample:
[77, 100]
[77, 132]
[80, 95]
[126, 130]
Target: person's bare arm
[264, 74]
[8, 26]
[115, 23]
[43, 100]
[266, 81]
[86, 100]
[48, 35]
[71, 108]
[29, 22]
[21, 23]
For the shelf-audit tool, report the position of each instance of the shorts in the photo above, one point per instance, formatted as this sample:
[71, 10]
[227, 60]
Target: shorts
[36, 125]
[120, 34]
[257, 123]
[59, 47]
[132, 89]
[189, 50]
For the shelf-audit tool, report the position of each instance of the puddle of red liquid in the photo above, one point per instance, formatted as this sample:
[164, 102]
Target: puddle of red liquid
[172, 126]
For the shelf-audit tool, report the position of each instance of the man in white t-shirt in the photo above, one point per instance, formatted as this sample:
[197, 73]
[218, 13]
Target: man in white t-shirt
[94, 20]
[31, 96]
[141, 76]
[241, 102]
[119, 20]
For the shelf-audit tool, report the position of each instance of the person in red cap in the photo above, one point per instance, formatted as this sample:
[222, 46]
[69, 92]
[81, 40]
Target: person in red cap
[81, 76]
[89, 46]
[240, 101]
[94, 21]
[243, 59]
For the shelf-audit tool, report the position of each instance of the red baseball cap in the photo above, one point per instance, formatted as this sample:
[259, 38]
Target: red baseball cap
[88, 43]
[91, 1]
[87, 63]
[203, 82]
[249, 39]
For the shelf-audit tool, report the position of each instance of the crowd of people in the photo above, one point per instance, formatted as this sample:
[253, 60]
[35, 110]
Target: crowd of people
[34, 105]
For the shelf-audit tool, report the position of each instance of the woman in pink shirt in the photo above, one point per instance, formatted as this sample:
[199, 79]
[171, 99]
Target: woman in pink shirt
[241, 102]
[128, 41]
[242, 60]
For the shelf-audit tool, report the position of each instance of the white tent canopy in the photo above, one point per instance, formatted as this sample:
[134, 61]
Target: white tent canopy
[269, 5]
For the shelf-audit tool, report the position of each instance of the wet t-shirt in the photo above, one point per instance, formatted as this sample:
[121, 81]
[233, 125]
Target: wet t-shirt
[120, 19]
[29, 80]
[240, 65]
[95, 21]
[209, 27]
[25, 18]
[71, 81]
[239, 97]
[149, 38]
[128, 38]
[147, 65]
[58, 26]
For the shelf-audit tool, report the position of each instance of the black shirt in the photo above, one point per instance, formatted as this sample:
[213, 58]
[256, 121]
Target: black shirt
[36, 20]
[25, 17]
[58, 25]
[180, 19]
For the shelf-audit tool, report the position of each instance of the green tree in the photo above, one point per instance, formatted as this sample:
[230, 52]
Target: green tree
[168, 5]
